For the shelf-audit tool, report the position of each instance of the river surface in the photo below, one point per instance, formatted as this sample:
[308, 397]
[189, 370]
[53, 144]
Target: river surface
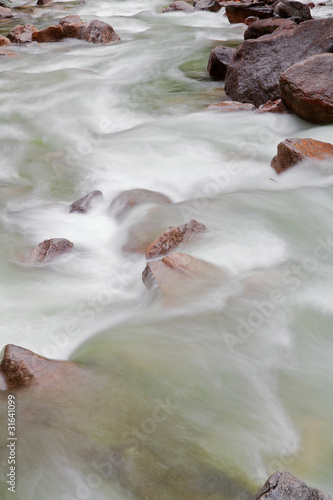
[244, 371]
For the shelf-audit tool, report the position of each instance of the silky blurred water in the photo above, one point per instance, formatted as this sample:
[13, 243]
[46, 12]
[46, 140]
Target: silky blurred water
[247, 366]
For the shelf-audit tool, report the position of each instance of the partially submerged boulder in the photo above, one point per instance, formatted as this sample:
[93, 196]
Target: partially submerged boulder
[49, 250]
[22, 34]
[179, 5]
[126, 200]
[71, 26]
[267, 26]
[277, 106]
[239, 12]
[98, 32]
[291, 8]
[210, 5]
[284, 486]
[173, 237]
[50, 34]
[85, 203]
[5, 13]
[230, 106]
[4, 40]
[292, 151]
[307, 88]
[219, 59]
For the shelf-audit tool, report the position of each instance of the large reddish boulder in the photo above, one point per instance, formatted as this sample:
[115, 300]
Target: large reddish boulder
[98, 32]
[85, 203]
[267, 26]
[294, 9]
[253, 73]
[22, 34]
[238, 12]
[173, 237]
[282, 486]
[5, 13]
[49, 250]
[125, 201]
[71, 26]
[307, 88]
[50, 34]
[230, 106]
[219, 59]
[210, 5]
[179, 5]
[292, 151]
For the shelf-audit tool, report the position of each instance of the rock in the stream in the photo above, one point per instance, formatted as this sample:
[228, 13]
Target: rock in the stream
[291, 8]
[230, 106]
[173, 237]
[44, 2]
[98, 32]
[267, 26]
[219, 59]
[49, 250]
[22, 34]
[284, 486]
[126, 200]
[292, 151]
[239, 12]
[20, 368]
[71, 26]
[86, 202]
[179, 5]
[307, 88]
[7, 53]
[5, 13]
[253, 73]
[4, 41]
[277, 106]
[50, 34]
[210, 5]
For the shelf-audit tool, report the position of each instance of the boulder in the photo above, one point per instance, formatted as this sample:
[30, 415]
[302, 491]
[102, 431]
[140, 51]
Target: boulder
[50, 249]
[210, 5]
[239, 12]
[219, 59]
[21, 368]
[282, 486]
[86, 202]
[4, 40]
[21, 34]
[267, 26]
[173, 237]
[98, 32]
[253, 73]
[5, 13]
[179, 5]
[291, 8]
[307, 88]
[126, 200]
[71, 26]
[277, 106]
[230, 106]
[50, 34]
[292, 151]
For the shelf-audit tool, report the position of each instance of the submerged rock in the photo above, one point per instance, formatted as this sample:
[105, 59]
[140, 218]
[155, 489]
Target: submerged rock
[22, 34]
[126, 200]
[239, 12]
[267, 26]
[292, 151]
[307, 88]
[219, 59]
[173, 237]
[49, 250]
[179, 5]
[230, 106]
[285, 486]
[85, 203]
[50, 34]
[98, 32]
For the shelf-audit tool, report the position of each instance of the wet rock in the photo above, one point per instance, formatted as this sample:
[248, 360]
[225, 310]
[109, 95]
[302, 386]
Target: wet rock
[98, 32]
[86, 202]
[283, 486]
[173, 237]
[210, 5]
[253, 73]
[50, 34]
[290, 8]
[307, 88]
[4, 41]
[180, 5]
[218, 61]
[126, 200]
[21, 368]
[44, 2]
[5, 13]
[230, 106]
[50, 249]
[7, 53]
[251, 19]
[239, 12]
[267, 26]
[292, 151]
[21, 34]
[277, 106]
[71, 26]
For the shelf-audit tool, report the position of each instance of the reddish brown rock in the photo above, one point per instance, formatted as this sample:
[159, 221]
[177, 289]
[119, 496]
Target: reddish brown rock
[21, 34]
[307, 88]
[50, 34]
[239, 12]
[85, 203]
[71, 26]
[267, 26]
[44, 2]
[294, 9]
[210, 5]
[179, 5]
[282, 486]
[230, 106]
[173, 237]
[98, 32]
[49, 250]
[4, 41]
[218, 62]
[253, 73]
[21, 368]
[277, 106]
[292, 151]
[126, 200]
[5, 13]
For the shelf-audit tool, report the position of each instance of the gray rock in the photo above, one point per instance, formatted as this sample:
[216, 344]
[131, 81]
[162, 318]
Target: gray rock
[179, 5]
[285, 486]
[219, 59]
[290, 8]
[85, 203]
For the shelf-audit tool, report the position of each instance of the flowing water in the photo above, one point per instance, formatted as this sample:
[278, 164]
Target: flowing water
[204, 396]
